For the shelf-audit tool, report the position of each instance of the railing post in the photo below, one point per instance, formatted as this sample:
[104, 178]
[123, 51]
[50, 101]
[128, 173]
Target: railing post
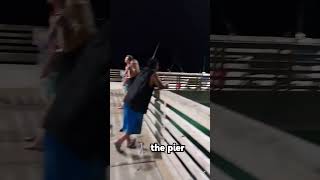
[178, 84]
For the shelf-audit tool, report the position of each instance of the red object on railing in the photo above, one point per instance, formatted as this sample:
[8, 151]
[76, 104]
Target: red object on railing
[218, 78]
[178, 86]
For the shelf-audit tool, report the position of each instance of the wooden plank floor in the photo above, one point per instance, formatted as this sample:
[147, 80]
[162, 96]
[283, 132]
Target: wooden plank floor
[133, 164]
[263, 151]
[17, 122]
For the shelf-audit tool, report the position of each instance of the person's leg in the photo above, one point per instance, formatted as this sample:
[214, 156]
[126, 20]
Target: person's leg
[131, 143]
[125, 118]
[125, 90]
[122, 139]
[125, 137]
[37, 141]
[37, 144]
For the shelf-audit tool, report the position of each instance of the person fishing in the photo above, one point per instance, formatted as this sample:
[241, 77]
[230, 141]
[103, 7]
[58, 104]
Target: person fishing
[137, 100]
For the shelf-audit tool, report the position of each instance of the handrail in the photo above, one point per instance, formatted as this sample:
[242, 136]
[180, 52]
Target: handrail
[176, 80]
[18, 27]
[164, 119]
[263, 39]
[264, 63]
[16, 44]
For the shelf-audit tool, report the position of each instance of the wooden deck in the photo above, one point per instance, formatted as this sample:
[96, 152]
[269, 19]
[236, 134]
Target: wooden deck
[134, 164]
[17, 122]
[172, 119]
[261, 151]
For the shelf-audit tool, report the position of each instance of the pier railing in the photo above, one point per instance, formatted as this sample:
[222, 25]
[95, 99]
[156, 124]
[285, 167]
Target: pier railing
[176, 80]
[115, 75]
[265, 63]
[16, 44]
[175, 119]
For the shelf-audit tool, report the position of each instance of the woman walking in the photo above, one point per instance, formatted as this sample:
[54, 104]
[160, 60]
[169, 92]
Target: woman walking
[75, 141]
[50, 72]
[71, 27]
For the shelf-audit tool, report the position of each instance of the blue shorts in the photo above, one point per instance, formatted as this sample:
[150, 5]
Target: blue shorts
[132, 120]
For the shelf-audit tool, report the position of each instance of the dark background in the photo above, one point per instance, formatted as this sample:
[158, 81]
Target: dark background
[181, 26]
[294, 112]
[265, 17]
[36, 12]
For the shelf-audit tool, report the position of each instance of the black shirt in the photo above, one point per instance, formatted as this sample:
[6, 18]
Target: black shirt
[140, 92]
[130, 81]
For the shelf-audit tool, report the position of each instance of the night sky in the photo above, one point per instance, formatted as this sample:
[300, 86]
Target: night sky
[36, 12]
[181, 26]
[265, 17]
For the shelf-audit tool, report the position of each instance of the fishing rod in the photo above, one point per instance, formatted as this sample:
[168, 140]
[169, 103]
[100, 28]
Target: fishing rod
[156, 50]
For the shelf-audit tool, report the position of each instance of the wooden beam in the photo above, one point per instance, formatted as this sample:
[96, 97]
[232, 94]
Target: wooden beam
[186, 159]
[179, 168]
[195, 111]
[251, 45]
[194, 132]
[192, 149]
[16, 35]
[18, 27]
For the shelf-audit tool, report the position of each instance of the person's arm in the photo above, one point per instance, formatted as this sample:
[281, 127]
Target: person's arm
[125, 75]
[134, 68]
[157, 82]
[55, 21]
[47, 67]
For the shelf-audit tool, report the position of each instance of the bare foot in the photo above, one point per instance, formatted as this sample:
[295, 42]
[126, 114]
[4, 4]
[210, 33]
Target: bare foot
[34, 147]
[132, 144]
[29, 139]
[118, 146]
